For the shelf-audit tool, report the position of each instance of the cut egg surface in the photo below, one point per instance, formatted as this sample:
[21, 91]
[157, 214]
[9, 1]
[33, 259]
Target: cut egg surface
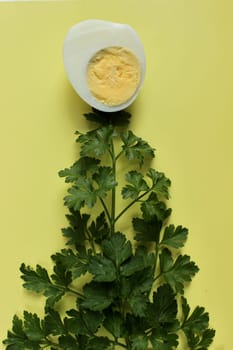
[105, 63]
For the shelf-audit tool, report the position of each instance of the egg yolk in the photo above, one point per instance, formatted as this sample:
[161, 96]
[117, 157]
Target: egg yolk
[113, 75]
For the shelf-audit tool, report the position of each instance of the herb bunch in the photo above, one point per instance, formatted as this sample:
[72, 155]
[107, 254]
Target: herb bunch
[132, 296]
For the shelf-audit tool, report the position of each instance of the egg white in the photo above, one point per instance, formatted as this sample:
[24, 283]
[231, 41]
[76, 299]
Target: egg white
[84, 40]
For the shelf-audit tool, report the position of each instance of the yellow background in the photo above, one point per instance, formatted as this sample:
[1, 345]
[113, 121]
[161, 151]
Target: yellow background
[184, 110]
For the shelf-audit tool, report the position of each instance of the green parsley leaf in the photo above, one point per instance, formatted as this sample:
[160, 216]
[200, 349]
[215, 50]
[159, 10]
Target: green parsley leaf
[141, 260]
[105, 180]
[147, 256]
[96, 141]
[200, 341]
[174, 237]
[102, 268]
[185, 308]
[114, 323]
[136, 185]
[16, 339]
[76, 232]
[97, 296]
[62, 276]
[139, 342]
[99, 228]
[80, 168]
[147, 231]
[33, 327]
[26, 335]
[82, 341]
[75, 262]
[119, 118]
[135, 289]
[197, 321]
[136, 325]
[82, 193]
[206, 339]
[18, 327]
[152, 208]
[117, 249]
[163, 309]
[160, 183]
[67, 342]
[177, 272]
[83, 322]
[138, 304]
[135, 264]
[139, 283]
[99, 343]
[164, 341]
[135, 148]
[53, 323]
[39, 282]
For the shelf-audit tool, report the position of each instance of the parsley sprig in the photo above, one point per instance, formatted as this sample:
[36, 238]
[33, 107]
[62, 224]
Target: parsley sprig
[132, 296]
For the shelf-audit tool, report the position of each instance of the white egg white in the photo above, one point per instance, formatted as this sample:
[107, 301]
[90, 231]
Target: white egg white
[84, 40]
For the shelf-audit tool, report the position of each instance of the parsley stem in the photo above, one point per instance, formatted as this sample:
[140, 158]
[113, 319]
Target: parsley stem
[119, 344]
[157, 277]
[156, 259]
[74, 292]
[50, 343]
[105, 209]
[113, 209]
[128, 346]
[148, 332]
[130, 204]
[92, 243]
[119, 154]
[67, 289]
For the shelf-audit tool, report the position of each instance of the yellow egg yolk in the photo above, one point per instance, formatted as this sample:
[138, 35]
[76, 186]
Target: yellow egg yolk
[113, 75]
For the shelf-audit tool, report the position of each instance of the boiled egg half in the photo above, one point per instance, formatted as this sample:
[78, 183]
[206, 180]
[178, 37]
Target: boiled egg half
[105, 63]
